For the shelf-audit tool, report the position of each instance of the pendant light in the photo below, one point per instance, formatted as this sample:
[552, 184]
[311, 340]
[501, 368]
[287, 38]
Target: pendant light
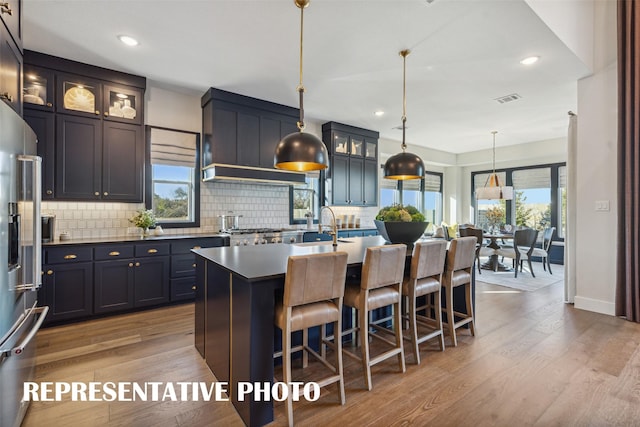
[403, 166]
[493, 190]
[300, 151]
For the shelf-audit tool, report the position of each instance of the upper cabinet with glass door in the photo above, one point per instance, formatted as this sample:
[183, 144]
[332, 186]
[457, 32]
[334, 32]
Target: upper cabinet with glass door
[38, 88]
[371, 148]
[79, 95]
[123, 104]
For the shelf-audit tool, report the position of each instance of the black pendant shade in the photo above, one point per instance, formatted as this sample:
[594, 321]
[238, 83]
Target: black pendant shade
[301, 151]
[404, 166]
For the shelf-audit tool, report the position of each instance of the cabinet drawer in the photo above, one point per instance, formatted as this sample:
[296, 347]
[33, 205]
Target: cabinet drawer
[183, 289]
[68, 254]
[113, 252]
[183, 265]
[151, 249]
[184, 246]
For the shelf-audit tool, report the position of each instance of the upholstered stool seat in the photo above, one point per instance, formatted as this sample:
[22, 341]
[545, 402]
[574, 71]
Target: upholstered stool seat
[313, 293]
[458, 272]
[427, 264]
[380, 283]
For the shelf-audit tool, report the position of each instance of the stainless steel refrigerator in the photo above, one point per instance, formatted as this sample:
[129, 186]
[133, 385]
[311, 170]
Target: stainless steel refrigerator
[21, 250]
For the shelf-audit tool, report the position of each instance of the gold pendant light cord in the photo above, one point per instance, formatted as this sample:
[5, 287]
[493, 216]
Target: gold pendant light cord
[404, 54]
[300, 87]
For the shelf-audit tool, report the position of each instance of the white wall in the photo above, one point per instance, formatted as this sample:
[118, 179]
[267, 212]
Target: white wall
[596, 165]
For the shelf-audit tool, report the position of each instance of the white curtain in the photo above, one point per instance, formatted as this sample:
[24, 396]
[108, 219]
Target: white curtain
[570, 232]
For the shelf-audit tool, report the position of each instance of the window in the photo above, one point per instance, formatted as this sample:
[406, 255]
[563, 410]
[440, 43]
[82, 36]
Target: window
[173, 177]
[539, 197]
[304, 199]
[424, 194]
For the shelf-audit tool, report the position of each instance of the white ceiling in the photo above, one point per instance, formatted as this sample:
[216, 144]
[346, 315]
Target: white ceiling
[464, 55]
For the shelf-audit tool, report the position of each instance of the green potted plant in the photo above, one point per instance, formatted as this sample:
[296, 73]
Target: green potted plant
[144, 219]
[400, 224]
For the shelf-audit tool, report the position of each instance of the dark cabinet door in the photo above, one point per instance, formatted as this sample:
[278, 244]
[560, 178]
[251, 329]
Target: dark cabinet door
[38, 88]
[122, 104]
[370, 183]
[269, 138]
[43, 125]
[340, 180]
[151, 280]
[78, 95]
[78, 157]
[122, 162]
[356, 173]
[183, 289]
[248, 148]
[223, 144]
[10, 72]
[114, 285]
[11, 14]
[68, 290]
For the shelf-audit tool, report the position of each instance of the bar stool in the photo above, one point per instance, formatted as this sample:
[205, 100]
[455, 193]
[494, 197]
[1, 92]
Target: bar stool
[458, 272]
[425, 279]
[382, 273]
[313, 294]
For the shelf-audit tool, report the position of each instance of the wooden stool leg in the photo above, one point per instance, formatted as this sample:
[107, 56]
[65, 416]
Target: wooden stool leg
[364, 345]
[413, 329]
[337, 339]
[397, 319]
[305, 345]
[450, 316]
[286, 367]
[472, 324]
[438, 315]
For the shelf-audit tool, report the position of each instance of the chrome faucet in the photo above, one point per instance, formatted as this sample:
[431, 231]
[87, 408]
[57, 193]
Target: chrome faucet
[334, 227]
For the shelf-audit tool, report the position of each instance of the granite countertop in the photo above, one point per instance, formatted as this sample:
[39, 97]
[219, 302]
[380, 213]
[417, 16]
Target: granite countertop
[131, 238]
[270, 261]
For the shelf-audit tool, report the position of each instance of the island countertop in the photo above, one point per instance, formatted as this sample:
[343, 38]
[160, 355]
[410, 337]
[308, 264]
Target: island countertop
[256, 263]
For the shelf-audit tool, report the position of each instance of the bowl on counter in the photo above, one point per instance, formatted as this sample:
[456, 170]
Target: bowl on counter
[401, 232]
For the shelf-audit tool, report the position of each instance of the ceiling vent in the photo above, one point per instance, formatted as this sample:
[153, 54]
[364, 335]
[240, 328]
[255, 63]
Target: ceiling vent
[508, 98]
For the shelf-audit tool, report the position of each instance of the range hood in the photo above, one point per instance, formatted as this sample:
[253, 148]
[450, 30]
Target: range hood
[223, 172]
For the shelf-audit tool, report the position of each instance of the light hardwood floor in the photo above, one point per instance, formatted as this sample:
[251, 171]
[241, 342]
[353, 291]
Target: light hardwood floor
[535, 361]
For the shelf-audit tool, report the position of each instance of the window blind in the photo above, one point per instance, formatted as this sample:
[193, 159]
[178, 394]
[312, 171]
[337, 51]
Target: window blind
[432, 183]
[173, 148]
[532, 178]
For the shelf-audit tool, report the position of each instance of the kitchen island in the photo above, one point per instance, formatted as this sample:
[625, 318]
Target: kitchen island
[235, 310]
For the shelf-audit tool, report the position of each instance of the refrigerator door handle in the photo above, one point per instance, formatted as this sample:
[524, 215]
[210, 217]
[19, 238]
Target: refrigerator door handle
[37, 228]
[17, 350]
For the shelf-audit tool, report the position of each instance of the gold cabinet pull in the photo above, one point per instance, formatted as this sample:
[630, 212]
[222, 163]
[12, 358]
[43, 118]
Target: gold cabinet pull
[137, 264]
[193, 265]
[97, 112]
[196, 247]
[6, 8]
[7, 96]
[193, 288]
[49, 192]
[152, 251]
[49, 272]
[114, 253]
[96, 193]
[70, 256]
[49, 104]
[105, 194]
[130, 264]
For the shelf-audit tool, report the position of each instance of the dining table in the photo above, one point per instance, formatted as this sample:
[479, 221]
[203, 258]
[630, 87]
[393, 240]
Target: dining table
[493, 263]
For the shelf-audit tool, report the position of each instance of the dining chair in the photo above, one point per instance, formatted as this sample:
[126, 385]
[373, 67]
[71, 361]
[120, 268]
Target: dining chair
[523, 242]
[543, 252]
[313, 296]
[481, 248]
[425, 279]
[379, 286]
[459, 272]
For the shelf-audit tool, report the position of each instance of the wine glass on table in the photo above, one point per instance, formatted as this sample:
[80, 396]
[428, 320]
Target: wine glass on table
[508, 228]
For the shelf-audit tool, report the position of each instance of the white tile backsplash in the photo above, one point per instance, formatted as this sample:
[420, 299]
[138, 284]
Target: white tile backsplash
[260, 206]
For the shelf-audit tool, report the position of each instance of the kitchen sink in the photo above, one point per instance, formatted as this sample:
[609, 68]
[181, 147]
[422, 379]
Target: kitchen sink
[321, 242]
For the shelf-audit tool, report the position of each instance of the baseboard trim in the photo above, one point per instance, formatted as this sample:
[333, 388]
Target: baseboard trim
[595, 305]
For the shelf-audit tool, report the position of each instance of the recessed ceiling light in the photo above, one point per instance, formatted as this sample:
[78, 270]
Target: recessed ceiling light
[530, 60]
[128, 40]
[379, 113]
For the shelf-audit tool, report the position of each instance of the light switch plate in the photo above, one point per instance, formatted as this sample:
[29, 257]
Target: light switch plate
[602, 205]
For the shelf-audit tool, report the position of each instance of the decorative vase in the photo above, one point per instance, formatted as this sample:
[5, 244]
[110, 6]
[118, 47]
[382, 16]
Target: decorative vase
[145, 232]
[401, 232]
